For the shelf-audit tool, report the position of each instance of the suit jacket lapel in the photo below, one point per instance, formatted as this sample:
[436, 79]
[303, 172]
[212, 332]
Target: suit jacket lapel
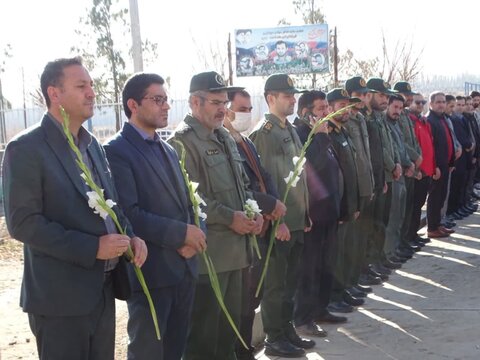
[99, 164]
[132, 136]
[58, 142]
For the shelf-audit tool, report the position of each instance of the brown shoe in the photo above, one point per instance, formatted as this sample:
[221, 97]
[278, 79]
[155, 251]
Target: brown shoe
[446, 230]
[437, 234]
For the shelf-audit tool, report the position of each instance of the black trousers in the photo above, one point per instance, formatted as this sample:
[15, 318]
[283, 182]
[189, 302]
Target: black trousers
[88, 337]
[419, 197]
[173, 305]
[458, 190]
[436, 199]
[316, 272]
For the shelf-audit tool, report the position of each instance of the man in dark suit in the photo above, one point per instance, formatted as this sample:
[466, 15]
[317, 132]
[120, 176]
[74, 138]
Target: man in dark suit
[325, 184]
[154, 196]
[72, 256]
[444, 149]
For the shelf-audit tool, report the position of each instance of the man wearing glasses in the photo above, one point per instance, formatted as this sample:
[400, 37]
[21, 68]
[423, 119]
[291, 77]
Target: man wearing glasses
[212, 160]
[153, 194]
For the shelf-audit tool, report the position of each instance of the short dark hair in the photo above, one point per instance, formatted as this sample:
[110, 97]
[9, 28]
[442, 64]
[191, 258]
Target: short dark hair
[460, 97]
[307, 99]
[393, 98]
[280, 42]
[474, 93]
[449, 98]
[231, 95]
[53, 74]
[434, 94]
[136, 87]
[468, 98]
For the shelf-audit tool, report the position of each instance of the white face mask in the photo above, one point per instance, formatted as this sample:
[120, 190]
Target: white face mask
[242, 121]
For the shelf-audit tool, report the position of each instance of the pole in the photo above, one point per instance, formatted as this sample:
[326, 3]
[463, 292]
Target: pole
[230, 67]
[3, 135]
[335, 58]
[136, 37]
[24, 105]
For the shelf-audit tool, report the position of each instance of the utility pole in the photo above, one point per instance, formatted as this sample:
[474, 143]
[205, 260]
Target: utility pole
[24, 105]
[335, 58]
[136, 37]
[230, 67]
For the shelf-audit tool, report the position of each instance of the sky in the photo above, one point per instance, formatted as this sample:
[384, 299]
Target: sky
[40, 31]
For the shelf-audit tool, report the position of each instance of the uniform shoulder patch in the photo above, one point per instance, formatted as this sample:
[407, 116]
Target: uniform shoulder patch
[267, 127]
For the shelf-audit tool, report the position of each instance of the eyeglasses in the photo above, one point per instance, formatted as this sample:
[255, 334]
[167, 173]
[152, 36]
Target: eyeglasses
[159, 100]
[216, 102]
[420, 102]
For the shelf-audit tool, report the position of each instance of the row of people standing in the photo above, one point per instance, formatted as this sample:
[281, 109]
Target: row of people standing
[343, 227]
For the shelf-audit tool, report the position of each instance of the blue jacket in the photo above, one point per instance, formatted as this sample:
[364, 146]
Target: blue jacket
[155, 200]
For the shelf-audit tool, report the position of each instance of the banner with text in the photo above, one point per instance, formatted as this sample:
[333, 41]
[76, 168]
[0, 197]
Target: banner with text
[289, 49]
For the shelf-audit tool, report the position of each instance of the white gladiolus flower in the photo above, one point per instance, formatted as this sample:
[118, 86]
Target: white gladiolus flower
[251, 207]
[302, 163]
[201, 214]
[199, 199]
[194, 185]
[93, 202]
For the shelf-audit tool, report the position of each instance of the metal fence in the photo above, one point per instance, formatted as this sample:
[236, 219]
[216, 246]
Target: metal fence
[469, 87]
[102, 124]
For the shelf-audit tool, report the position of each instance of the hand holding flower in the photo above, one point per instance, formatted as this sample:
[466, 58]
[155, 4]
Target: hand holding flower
[112, 245]
[140, 251]
[195, 238]
[241, 224]
[283, 233]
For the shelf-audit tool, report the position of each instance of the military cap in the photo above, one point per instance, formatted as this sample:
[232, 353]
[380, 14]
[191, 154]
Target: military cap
[340, 94]
[380, 86]
[282, 83]
[358, 84]
[404, 87]
[210, 81]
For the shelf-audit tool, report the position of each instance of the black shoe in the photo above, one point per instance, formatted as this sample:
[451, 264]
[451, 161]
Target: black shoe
[352, 300]
[366, 279]
[329, 318]
[405, 254]
[424, 240]
[311, 329]
[363, 288]
[379, 269]
[356, 293]
[389, 264]
[244, 354]
[298, 341]
[415, 248]
[397, 259]
[449, 224]
[283, 348]
[340, 307]
[373, 273]
[462, 213]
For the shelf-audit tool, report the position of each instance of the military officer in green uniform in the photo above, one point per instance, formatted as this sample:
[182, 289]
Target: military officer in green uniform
[415, 154]
[391, 160]
[357, 129]
[212, 160]
[277, 143]
[350, 205]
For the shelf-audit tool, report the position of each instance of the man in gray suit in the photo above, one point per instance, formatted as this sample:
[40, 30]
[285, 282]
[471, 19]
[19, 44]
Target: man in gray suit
[73, 258]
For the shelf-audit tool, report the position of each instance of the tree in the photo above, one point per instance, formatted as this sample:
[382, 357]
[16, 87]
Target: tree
[104, 24]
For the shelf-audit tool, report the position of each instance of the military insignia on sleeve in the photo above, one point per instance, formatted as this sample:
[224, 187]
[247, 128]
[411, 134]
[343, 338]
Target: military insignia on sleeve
[212, 152]
[268, 126]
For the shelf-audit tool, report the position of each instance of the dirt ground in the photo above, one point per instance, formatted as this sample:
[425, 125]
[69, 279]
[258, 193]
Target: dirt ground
[429, 309]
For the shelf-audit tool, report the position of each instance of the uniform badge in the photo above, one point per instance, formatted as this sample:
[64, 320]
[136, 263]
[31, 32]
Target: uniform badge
[212, 152]
[219, 80]
[362, 82]
[268, 126]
